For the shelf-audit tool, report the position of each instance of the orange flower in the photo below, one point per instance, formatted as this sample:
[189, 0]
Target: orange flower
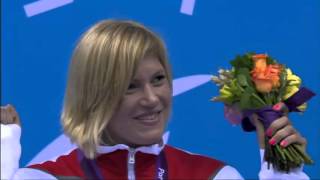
[263, 75]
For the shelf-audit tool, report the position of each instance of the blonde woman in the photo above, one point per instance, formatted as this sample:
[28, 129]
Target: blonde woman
[116, 107]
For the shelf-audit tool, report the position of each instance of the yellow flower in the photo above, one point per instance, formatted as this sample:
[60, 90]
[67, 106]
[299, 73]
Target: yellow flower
[302, 107]
[290, 90]
[292, 79]
[225, 92]
[293, 84]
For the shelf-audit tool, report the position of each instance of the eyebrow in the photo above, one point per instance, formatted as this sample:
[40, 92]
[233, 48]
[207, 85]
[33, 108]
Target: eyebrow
[159, 72]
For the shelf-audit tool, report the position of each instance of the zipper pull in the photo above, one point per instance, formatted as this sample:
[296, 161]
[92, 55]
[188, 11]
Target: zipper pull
[131, 161]
[131, 156]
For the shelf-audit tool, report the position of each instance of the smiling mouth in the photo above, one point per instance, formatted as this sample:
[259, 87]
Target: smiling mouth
[149, 119]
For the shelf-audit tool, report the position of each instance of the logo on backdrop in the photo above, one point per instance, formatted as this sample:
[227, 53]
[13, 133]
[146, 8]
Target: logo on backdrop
[42, 6]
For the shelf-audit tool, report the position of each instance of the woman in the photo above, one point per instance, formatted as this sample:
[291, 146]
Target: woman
[116, 108]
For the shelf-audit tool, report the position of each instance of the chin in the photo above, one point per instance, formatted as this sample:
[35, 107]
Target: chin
[150, 138]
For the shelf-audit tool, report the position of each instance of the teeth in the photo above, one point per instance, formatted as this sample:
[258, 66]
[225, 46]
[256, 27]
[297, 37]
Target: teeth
[148, 117]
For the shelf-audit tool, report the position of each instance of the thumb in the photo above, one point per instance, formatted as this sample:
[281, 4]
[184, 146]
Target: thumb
[260, 130]
[14, 114]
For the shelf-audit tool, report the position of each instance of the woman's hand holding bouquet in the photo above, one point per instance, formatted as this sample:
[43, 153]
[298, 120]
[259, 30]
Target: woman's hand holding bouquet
[259, 88]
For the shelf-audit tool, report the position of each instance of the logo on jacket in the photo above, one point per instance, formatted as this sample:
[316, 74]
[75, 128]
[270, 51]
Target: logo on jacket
[160, 173]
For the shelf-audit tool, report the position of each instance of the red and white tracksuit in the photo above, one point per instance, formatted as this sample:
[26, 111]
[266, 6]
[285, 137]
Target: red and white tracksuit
[122, 162]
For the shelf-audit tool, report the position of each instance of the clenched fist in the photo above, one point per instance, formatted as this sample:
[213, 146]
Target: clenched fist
[9, 115]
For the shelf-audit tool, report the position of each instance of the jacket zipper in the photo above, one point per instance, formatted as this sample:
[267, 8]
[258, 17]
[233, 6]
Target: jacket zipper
[131, 162]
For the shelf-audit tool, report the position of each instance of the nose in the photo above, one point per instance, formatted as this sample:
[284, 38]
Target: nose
[150, 98]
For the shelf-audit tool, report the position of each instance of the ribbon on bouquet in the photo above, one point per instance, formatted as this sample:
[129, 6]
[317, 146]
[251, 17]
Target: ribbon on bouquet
[270, 113]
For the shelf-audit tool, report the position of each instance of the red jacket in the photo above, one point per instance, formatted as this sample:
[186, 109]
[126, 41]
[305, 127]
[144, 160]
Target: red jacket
[170, 163]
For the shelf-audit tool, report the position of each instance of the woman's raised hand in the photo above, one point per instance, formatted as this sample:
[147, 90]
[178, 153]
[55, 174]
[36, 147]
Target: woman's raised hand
[9, 115]
[280, 131]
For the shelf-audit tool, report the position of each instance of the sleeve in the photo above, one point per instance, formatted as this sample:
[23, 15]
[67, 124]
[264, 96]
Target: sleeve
[10, 156]
[271, 173]
[228, 172]
[10, 149]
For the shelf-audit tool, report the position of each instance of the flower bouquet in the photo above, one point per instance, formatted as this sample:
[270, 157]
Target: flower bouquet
[258, 85]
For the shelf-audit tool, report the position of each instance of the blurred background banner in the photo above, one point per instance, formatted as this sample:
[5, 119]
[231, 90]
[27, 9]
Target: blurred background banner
[38, 36]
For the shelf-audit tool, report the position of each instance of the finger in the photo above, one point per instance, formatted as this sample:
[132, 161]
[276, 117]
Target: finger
[292, 139]
[277, 124]
[254, 119]
[3, 115]
[260, 130]
[282, 134]
[15, 115]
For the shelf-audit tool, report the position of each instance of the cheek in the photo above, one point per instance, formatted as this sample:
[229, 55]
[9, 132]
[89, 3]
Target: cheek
[122, 115]
[127, 105]
[167, 98]
[167, 94]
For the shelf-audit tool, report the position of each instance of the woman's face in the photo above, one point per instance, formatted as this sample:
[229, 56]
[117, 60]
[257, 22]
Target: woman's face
[143, 111]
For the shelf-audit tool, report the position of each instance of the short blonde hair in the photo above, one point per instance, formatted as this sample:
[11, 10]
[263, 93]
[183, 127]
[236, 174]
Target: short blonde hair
[103, 63]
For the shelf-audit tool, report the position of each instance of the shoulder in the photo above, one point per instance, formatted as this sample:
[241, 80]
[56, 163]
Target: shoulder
[65, 165]
[183, 155]
[194, 166]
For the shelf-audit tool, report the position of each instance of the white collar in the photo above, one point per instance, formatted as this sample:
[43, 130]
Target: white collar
[152, 149]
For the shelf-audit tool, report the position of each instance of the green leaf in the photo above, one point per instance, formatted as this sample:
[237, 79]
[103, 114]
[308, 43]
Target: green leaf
[242, 80]
[283, 84]
[247, 77]
[270, 60]
[251, 89]
[245, 102]
[250, 100]
[256, 104]
[236, 88]
[242, 61]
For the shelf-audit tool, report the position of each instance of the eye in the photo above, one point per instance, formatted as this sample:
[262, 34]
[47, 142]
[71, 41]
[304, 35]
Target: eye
[158, 79]
[131, 88]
